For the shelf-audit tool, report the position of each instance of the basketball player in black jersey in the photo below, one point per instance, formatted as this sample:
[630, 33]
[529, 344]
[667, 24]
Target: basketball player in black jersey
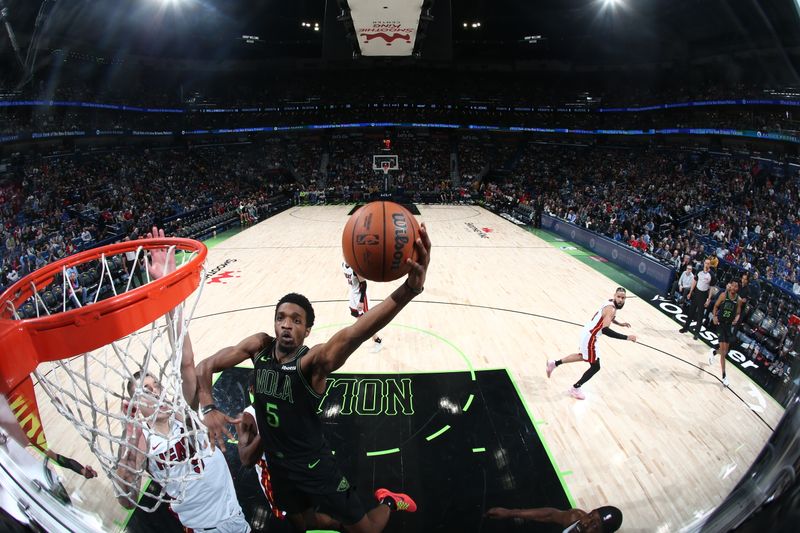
[290, 381]
[725, 315]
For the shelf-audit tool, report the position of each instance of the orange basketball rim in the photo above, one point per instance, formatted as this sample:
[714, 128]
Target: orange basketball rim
[26, 342]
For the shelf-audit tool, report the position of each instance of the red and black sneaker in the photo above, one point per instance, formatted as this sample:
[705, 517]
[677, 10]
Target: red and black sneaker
[395, 500]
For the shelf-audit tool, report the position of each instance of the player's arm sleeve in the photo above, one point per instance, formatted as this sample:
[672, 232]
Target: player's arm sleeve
[362, 288]
[69, 462]
[614, 335]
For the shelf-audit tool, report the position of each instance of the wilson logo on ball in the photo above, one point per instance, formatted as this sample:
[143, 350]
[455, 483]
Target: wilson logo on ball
[367, 239]
[378, 240]
[400, 238]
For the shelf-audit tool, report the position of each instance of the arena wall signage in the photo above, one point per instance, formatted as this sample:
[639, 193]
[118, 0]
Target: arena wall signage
[755, 367]
[384, 104]
[646, 269]
[21, 137]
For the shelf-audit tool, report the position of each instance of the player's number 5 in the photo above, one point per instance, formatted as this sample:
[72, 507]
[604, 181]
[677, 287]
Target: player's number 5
[272, 415]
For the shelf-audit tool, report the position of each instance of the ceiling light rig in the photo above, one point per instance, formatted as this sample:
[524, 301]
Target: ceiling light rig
[611, 4]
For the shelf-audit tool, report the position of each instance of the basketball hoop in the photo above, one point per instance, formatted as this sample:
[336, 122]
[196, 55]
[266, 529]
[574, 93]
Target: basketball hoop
[84, 326]
[384, 163]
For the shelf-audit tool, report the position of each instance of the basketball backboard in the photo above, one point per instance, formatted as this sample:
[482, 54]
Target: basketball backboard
[31, 491]
[385, 163]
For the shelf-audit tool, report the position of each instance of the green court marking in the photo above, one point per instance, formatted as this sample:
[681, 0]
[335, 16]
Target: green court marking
[249, 364]
[426, 332]
[383, 452]
[181, 257]
[469, 402]
[478, 450]
[434, 435]
[440, 338]
[610, 270]
[544, 442]
[221, 237]
[566, 473]
[447, 342]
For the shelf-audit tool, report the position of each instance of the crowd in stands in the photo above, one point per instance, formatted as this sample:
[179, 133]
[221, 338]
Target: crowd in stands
[676, 206]
[667, 204]
[425, 162]
[350, 155]
[682, 208]
[473, 154]
[305, 157]
[670, 208]
[53, 207]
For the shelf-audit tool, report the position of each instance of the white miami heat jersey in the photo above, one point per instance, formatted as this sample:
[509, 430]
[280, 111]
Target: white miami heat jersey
[354, 284]
[208, 499]
[594, 327]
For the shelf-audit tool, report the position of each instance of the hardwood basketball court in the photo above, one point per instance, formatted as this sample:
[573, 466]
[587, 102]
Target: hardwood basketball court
[657, 436]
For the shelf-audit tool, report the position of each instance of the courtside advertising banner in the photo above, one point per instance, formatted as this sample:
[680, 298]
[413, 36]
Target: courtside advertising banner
[386, 28]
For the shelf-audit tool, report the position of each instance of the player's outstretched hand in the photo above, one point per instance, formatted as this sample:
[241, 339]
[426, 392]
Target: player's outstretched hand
[217, 423]
[162, 260]
[625, 324]
[416, 276]
[88, 472]
[632, 338]
[136, 447]
[246, 429]
[498, 512]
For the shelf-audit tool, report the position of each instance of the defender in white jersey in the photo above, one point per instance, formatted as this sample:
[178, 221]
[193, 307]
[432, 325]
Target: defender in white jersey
[209, 500]
[587, 351]
[359, 302]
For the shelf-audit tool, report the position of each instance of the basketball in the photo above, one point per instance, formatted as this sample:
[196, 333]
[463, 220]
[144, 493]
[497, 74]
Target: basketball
[377, 240]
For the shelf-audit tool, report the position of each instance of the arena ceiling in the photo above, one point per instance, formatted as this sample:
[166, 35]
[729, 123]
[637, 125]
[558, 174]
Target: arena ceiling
[582, 33]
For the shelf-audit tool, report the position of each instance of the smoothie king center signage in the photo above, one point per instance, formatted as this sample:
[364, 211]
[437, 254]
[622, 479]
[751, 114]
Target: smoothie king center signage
[386, 28]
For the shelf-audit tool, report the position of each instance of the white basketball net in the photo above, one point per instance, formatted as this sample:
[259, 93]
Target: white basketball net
[89, 389]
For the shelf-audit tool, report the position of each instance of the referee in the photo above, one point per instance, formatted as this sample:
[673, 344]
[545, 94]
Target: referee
[699, 299]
